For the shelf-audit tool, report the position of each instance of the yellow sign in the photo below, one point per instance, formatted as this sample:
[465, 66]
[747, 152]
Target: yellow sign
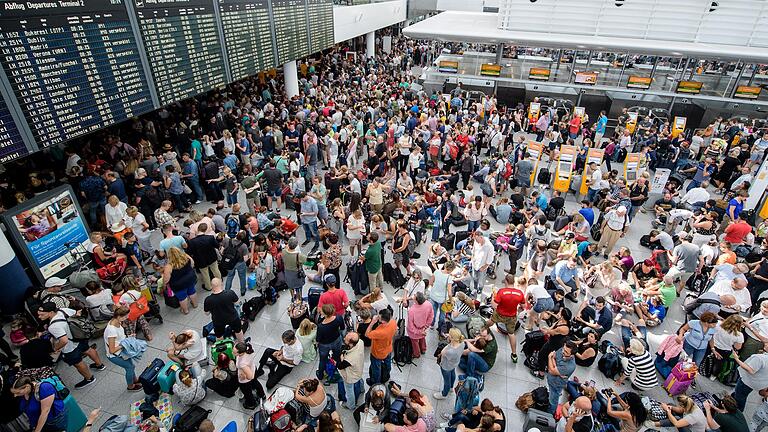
[747, 92]
[533, 112]
[539, 74]
[488, 69]
[631, 167]
[593, 155]
[448, 66]
[678, 126]
[691, 87]
[638, 82]
[588, 78]
[631, 122]
[564, 168]
[534, 151]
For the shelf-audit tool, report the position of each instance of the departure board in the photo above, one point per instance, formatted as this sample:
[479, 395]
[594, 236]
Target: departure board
[320, 24]
[11, 145]
[74, 66]
[182, 45]
[249, 47]
[291, 34]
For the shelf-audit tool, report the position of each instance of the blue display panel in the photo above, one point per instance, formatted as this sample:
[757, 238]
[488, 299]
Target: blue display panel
[291, 33]
[11, 144]
[74, 66]
[320, 24]
[249, 46]
[182, 45]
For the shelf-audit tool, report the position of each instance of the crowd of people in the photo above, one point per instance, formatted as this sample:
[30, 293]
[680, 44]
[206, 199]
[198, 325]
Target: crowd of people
[329, 195]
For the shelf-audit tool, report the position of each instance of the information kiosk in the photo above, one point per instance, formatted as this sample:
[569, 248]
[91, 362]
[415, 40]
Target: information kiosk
[534, 151]
[564, 168]
[632, 167]
[593, 155]
[678, 126]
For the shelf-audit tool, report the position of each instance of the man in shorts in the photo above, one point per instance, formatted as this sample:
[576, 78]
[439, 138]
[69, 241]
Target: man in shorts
[72, 351]
[274, 185]
[221, 305]
[685, 260]
[506, 304]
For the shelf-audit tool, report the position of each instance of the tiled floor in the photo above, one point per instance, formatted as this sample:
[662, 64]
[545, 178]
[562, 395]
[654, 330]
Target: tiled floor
[504, 383]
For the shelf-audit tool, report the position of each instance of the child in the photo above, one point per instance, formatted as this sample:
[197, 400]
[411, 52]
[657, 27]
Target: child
[19, 328]
[159, 260]
[133, 254]
[306, 335]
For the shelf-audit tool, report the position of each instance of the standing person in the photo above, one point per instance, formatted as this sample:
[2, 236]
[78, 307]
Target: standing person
[274, 185]
[351, 370]
[381, 331]
[594, 181]
[236, 249]
[202, 249]
[281, 361]
[372, 259]
[475, 212]
[516, 245]
[729, 338]
[113, 335]
[560, 367]
[401, 246]
[355, 231]
[752, 376]
[449, 359]
[245, 361]
[441, 282]
[71, 351]
[482, 258]
[334, 296]
[614, 227]
[174, 186]
[600, 124]
[420, 317]
[330, 325]
[293, 262]
[179, 275]
[308, 217]
[697, 335]
[220, 304]
[190, 172]
[506, 303]
[686, 259]
[41, 404]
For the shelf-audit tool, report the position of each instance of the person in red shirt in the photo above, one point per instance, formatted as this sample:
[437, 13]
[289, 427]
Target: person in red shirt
[737, 231]
[506, 303]
[337, 297]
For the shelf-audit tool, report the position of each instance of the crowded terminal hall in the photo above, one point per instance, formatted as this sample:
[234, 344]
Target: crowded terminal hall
[347, 243]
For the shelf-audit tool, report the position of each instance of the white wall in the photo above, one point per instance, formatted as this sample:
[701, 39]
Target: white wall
[353, 21]
[465, 5]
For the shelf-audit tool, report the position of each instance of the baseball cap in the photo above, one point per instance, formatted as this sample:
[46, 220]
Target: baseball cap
[55, 281]
[329, 279]
[48, 307]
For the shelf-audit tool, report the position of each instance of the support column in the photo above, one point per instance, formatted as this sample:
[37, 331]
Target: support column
[291, 76]
[738, 79]
[370, 44]
[754, 72]
[499, 53]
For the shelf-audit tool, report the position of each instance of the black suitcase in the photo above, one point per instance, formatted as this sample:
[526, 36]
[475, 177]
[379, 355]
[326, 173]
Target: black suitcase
[252, 307]
[191, 419]
[313, 299]
[459, 221]
[461, 236]
[148, 378]
[448, 241]
[544, 176]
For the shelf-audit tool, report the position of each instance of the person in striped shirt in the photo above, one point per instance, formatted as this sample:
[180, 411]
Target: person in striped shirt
[641, 363]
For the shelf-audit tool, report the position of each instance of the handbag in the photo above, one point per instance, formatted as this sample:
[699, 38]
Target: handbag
[447, 306]
[187, 189]
[138, 308]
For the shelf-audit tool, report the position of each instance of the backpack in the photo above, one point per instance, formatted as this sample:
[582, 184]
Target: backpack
[691, 306]
[191, 419]
[229, 258]
[474, 326]
[507, 171]
[540, 396]
[396, 411]
[280, 421]
[233, 226]
[453, 151]
[402, 346]
[80, 328]
[610, 363]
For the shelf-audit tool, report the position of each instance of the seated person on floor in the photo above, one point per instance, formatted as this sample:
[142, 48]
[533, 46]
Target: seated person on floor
[281, 361]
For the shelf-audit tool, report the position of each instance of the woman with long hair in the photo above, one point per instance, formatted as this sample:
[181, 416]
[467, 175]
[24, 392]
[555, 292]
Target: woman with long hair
[190, 390]
[42, 405]
[179, 275]
[125, 294]
[728, 338]
[630, 416]
[685, 416]
[224, 380]
[113, 335]
[307, 335]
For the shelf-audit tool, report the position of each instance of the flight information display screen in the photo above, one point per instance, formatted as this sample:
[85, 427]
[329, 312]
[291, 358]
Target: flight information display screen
[182, 46]
[73, 65]
[320, 24]
[249, 47]
[11, 144]
[291, 33]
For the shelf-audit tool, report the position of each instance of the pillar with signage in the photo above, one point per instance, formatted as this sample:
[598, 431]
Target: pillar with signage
[534, 110]
[632, 167]
[757, 189]
[534, 151]
[678, 126]
[631, 122]
[593, 155]
[564, 169]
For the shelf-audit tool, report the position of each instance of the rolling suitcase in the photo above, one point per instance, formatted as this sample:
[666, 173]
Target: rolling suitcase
[543, 421]
[222, 346]
[76, 418]
[191, 419]
[297, 312]
[313, 298]
[148, 378]
[448, 242]
[167, 376]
